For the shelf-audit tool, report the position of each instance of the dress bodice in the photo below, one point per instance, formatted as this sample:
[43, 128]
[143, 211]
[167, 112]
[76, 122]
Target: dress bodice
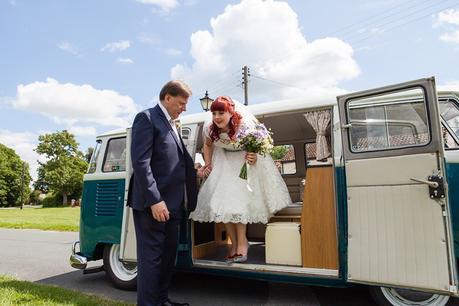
[225, 142]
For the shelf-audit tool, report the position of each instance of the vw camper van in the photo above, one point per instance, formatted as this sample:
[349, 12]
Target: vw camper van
[374, 181]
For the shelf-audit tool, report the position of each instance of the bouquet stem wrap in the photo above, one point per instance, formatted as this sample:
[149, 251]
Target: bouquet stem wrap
[243, 173]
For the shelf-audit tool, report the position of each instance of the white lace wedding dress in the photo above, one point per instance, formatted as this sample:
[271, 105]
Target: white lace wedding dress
[224, 197]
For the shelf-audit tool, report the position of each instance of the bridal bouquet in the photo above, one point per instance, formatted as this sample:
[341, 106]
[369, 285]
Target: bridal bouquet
[255, 139]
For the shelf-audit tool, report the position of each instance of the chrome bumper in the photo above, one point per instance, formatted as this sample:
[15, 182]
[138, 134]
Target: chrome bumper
[77, 260]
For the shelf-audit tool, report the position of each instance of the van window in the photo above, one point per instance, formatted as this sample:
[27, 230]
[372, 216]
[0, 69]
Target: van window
[448, 139]
[387, 124]
[94, 157]
[450, 113]
[115, 155]
[284, 158]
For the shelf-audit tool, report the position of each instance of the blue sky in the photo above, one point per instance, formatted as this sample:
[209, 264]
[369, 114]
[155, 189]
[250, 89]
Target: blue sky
[89, 66]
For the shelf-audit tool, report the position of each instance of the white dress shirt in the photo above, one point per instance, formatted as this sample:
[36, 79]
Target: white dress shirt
[169, 118]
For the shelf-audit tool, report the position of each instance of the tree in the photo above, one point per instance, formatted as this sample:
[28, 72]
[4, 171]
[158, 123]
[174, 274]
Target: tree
[88, 154]
[14, 178]
[40, 184]
[279, 152]
[65, 166]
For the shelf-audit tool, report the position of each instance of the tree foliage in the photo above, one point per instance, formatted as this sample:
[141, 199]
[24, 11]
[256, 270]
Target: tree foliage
[88, 154]
[65, 166]
[14, 186]
[279, 152]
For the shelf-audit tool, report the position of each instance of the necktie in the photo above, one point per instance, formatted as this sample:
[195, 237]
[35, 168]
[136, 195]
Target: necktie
[174, 125]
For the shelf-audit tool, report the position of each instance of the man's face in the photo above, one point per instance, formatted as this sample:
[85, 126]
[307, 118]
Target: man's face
[175, 105]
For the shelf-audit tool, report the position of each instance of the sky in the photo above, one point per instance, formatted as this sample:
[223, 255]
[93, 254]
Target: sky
[90, 66]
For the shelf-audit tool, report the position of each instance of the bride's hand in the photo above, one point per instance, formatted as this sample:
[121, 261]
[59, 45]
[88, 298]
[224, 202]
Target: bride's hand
[251, 158]
[207, 169]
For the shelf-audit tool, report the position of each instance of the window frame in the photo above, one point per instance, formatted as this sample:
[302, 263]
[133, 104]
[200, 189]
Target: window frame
[433, 119]
[387, 122]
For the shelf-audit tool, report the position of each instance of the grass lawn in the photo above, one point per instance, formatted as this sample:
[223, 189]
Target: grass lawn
[15, 292]
[56, 219]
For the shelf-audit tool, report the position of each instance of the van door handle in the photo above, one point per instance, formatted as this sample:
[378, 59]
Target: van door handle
[431, 184]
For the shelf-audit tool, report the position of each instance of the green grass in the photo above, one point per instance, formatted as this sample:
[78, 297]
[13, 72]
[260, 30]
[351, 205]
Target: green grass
[15, 292]
[48, 219]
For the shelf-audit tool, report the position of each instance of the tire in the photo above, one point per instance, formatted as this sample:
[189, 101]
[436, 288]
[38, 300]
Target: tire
[384, 296]
[122, 275]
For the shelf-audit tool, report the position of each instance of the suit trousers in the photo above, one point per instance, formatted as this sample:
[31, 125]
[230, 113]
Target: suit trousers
[156, 252]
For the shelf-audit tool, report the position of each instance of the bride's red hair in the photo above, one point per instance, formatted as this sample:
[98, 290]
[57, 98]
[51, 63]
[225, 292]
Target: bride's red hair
[225, 104]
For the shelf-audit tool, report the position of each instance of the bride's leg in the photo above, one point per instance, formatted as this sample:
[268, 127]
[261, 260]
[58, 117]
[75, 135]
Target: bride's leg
[242, 242]
[231, 230]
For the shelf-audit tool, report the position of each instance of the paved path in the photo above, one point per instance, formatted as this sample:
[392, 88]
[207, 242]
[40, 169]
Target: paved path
[42, 257]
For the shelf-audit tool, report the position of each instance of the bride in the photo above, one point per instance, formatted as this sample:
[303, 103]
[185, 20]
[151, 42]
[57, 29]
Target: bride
[226, 198]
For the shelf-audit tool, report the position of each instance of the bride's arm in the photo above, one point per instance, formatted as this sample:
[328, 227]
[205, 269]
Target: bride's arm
[208, 151]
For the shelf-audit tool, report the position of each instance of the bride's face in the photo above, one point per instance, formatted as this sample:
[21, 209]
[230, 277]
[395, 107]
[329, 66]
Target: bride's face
[221, 119]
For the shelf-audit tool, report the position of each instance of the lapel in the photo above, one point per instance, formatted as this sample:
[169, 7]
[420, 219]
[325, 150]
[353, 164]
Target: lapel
[169, 127]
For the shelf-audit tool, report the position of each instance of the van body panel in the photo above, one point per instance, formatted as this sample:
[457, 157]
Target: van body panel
[101, 214]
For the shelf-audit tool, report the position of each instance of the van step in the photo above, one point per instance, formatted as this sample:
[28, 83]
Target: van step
[93, 270]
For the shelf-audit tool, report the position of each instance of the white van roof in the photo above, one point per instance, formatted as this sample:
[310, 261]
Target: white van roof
[256, 109]
[264, 109]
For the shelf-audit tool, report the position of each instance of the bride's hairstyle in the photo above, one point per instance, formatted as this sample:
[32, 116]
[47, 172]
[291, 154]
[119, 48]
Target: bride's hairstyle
[225, 104]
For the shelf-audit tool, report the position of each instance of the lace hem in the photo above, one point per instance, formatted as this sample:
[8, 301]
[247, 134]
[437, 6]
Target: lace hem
[230, 218]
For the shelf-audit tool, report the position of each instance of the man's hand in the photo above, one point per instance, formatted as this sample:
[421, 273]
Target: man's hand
[160, 212]
[251, 158]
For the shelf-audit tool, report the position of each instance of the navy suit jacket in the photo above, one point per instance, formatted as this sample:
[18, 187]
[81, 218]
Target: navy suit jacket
[161, 163]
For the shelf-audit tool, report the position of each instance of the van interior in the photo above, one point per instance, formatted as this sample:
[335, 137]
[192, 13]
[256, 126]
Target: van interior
[302, 238]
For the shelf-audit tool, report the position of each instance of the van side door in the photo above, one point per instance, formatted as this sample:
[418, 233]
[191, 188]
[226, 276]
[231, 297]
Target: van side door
[399, 229]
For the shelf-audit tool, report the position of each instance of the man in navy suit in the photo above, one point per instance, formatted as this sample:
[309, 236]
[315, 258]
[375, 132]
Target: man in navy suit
[164, 179]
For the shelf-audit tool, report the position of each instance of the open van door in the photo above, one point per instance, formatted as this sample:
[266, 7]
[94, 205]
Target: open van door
[399, 230]
[128, 244]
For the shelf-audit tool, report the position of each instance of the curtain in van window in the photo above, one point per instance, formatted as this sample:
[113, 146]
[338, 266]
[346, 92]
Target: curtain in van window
[319, 120]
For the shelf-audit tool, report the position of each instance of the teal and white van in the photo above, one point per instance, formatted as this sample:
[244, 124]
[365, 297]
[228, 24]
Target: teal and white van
[374, 179]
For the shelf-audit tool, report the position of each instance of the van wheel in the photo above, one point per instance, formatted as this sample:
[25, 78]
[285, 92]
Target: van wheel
[123, 275]
[384, 296]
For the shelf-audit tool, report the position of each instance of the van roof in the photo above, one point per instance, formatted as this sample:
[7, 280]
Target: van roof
[265, 109]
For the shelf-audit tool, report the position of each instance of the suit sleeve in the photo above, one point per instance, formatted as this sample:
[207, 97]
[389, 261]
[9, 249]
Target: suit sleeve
[141, 152]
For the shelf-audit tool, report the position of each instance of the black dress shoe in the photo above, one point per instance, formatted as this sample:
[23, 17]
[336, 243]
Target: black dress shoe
[171, 303]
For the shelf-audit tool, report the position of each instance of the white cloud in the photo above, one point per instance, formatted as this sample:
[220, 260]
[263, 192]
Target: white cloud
[165, 5]
[450, 16]
[449, 20]
[173, 52]
[116, 46]
[75, 104]
[122, 60]
[68, 47]
[451, 85]
[82, 130]
[24, 144]
[451, 37]
[190, 2]
[281, 54]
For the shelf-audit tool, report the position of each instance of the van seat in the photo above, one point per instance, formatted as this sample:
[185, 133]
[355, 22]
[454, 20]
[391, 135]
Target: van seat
[293, 209]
